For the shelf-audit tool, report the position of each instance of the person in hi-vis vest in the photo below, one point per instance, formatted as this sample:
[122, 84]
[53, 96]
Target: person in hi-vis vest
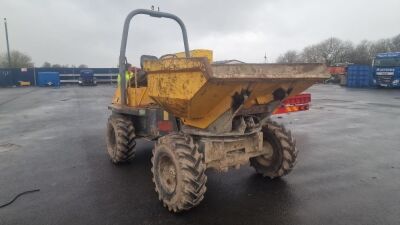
[128, 75]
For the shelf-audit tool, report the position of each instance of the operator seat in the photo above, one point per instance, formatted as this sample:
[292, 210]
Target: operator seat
[142, 75]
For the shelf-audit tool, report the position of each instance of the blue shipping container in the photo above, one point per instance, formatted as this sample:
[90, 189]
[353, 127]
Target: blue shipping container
[48, 79]
[359, 76]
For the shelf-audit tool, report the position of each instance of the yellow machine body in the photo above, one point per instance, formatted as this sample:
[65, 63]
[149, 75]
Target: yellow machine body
[203, 115]
[138, 96]
[199, 92]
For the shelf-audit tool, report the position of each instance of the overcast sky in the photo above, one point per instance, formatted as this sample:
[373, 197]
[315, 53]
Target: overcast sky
[89, 32]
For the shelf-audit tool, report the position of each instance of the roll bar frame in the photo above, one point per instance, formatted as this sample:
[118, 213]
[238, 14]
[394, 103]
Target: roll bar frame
[122, 57]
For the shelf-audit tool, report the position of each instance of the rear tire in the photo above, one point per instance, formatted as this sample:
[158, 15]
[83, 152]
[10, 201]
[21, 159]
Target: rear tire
[284, 154]
[120, 139]
[178, 172]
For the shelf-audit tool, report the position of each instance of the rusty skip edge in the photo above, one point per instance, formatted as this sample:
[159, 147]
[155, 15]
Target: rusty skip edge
[239, 72]
[271, 71]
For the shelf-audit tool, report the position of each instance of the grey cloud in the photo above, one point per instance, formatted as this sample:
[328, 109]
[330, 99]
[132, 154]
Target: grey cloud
[89, 32]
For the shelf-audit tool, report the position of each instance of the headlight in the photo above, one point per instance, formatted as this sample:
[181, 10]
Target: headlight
[395, 82]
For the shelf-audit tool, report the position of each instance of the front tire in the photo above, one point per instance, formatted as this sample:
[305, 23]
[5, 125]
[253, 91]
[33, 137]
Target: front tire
[284, 152]
[120, 139]
[178, 172]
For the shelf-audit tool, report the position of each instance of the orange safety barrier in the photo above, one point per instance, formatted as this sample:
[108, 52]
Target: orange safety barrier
[296, 103]
[337, 70]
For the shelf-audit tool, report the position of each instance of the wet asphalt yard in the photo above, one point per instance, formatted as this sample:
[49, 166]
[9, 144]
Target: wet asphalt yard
[348, 171]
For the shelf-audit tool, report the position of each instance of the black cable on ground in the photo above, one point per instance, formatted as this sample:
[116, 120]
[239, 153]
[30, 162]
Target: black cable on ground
[17, 196]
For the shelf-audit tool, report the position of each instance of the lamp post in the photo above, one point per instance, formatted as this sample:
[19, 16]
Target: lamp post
[265, 57]
[8, 45]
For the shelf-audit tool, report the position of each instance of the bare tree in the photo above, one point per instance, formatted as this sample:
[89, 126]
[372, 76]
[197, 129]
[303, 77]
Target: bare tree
[46, 65]
[361, 53]
[396, 43]
[290, 56]
[334, 50]
[328, 50]
[344, 52]
[311, 54]
[82, 66]
[380, 46]
[18, 60]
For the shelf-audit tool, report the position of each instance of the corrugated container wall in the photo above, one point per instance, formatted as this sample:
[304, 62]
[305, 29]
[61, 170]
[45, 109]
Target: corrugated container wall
[359, 76]
[48, 79]
[12, 76]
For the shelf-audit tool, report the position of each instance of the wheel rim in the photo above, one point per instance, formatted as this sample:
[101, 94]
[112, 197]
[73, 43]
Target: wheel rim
[167, 174]
[271, 160]
[266, 159]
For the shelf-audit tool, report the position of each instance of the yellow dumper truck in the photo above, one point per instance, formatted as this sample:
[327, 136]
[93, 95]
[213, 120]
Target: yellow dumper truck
[203, 115]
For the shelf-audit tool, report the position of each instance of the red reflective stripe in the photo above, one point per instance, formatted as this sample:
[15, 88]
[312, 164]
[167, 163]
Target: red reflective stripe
[298, 99]
[300, 102]
[280, 110]
[165, 125]
[288, 109]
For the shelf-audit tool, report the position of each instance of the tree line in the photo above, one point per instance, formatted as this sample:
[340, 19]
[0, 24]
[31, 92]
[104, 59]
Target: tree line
[334, 51]
[49, 65]
[17, 60]
[330, 51]
[22, 60]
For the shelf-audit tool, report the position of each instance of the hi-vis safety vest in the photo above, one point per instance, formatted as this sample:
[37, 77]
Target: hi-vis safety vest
[128, 76]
